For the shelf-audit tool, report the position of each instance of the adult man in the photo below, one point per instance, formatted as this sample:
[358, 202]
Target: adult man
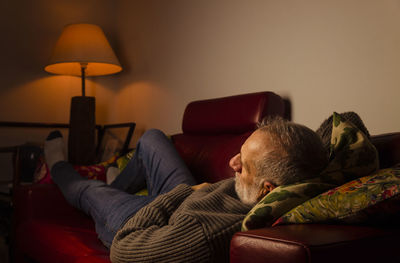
[180, 221]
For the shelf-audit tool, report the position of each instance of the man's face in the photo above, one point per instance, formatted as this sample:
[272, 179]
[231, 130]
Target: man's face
[248, 188]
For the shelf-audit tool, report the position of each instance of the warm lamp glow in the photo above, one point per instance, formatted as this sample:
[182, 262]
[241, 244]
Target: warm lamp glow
[83, 45]
[82, 50]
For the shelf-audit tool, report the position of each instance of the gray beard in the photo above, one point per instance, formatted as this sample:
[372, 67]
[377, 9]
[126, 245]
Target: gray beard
[247, 194]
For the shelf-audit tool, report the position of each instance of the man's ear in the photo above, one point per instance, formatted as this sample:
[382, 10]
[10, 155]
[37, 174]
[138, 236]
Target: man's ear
[266, 188]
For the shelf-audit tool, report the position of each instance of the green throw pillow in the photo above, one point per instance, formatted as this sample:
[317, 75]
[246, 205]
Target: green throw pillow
[353, 202]
[123, 161]
[352, 155]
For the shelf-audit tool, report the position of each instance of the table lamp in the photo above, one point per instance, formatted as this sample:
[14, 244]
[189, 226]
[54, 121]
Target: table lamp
[82, 50]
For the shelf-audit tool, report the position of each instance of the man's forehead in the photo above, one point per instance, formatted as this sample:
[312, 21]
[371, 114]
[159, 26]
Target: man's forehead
[258, 141]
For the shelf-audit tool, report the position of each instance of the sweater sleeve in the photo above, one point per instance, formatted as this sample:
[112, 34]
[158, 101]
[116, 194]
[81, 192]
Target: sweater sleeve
[161, 208]
[148, 236]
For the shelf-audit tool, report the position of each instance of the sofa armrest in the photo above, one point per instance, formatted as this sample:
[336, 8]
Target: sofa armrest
[46, 202]
[316, 243]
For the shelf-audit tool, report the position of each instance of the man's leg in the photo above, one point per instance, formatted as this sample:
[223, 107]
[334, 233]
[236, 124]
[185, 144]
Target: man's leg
[155, 163]
[155, 160]
[110, 208]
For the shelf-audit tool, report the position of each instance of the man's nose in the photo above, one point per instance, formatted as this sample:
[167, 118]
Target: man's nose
[235, 163]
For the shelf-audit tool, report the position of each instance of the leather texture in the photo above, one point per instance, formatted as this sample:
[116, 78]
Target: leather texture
[234, 114]
[208, 156]
[48, 229]
[308, 243]
[388, 146]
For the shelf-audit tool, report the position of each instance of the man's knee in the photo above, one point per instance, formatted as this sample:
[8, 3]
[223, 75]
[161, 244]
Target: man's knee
[151, 136]
[77, 191]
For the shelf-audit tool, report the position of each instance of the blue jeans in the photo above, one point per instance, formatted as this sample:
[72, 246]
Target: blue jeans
[156, 164]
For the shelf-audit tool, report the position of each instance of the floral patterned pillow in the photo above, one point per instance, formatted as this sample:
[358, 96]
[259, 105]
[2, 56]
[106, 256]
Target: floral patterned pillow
[366, 199]
[352, 156]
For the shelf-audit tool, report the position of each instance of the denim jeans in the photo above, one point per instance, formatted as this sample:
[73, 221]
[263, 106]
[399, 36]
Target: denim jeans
[156, 164]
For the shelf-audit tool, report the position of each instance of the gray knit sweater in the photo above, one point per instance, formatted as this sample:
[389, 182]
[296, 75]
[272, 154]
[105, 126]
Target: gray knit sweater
[183, 226]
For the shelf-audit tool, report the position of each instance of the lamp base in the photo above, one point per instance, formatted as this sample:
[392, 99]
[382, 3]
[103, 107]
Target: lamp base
[81, 138]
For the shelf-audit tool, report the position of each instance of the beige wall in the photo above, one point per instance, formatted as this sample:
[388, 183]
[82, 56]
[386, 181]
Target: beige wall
[325, 56]
[29, 30]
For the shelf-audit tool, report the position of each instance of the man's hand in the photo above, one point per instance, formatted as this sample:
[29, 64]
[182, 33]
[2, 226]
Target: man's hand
[199, 186]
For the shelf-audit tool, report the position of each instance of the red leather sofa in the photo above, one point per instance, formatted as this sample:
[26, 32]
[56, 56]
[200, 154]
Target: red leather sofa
[47, 229]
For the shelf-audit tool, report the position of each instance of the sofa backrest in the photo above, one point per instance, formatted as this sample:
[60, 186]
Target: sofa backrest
[388, 146]
[214, 130]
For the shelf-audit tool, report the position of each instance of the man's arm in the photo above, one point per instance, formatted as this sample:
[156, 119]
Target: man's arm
[182, 242]
[151, 236]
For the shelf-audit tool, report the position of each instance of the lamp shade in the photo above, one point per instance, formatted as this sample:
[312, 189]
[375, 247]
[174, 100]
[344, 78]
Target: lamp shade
[83, 44]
